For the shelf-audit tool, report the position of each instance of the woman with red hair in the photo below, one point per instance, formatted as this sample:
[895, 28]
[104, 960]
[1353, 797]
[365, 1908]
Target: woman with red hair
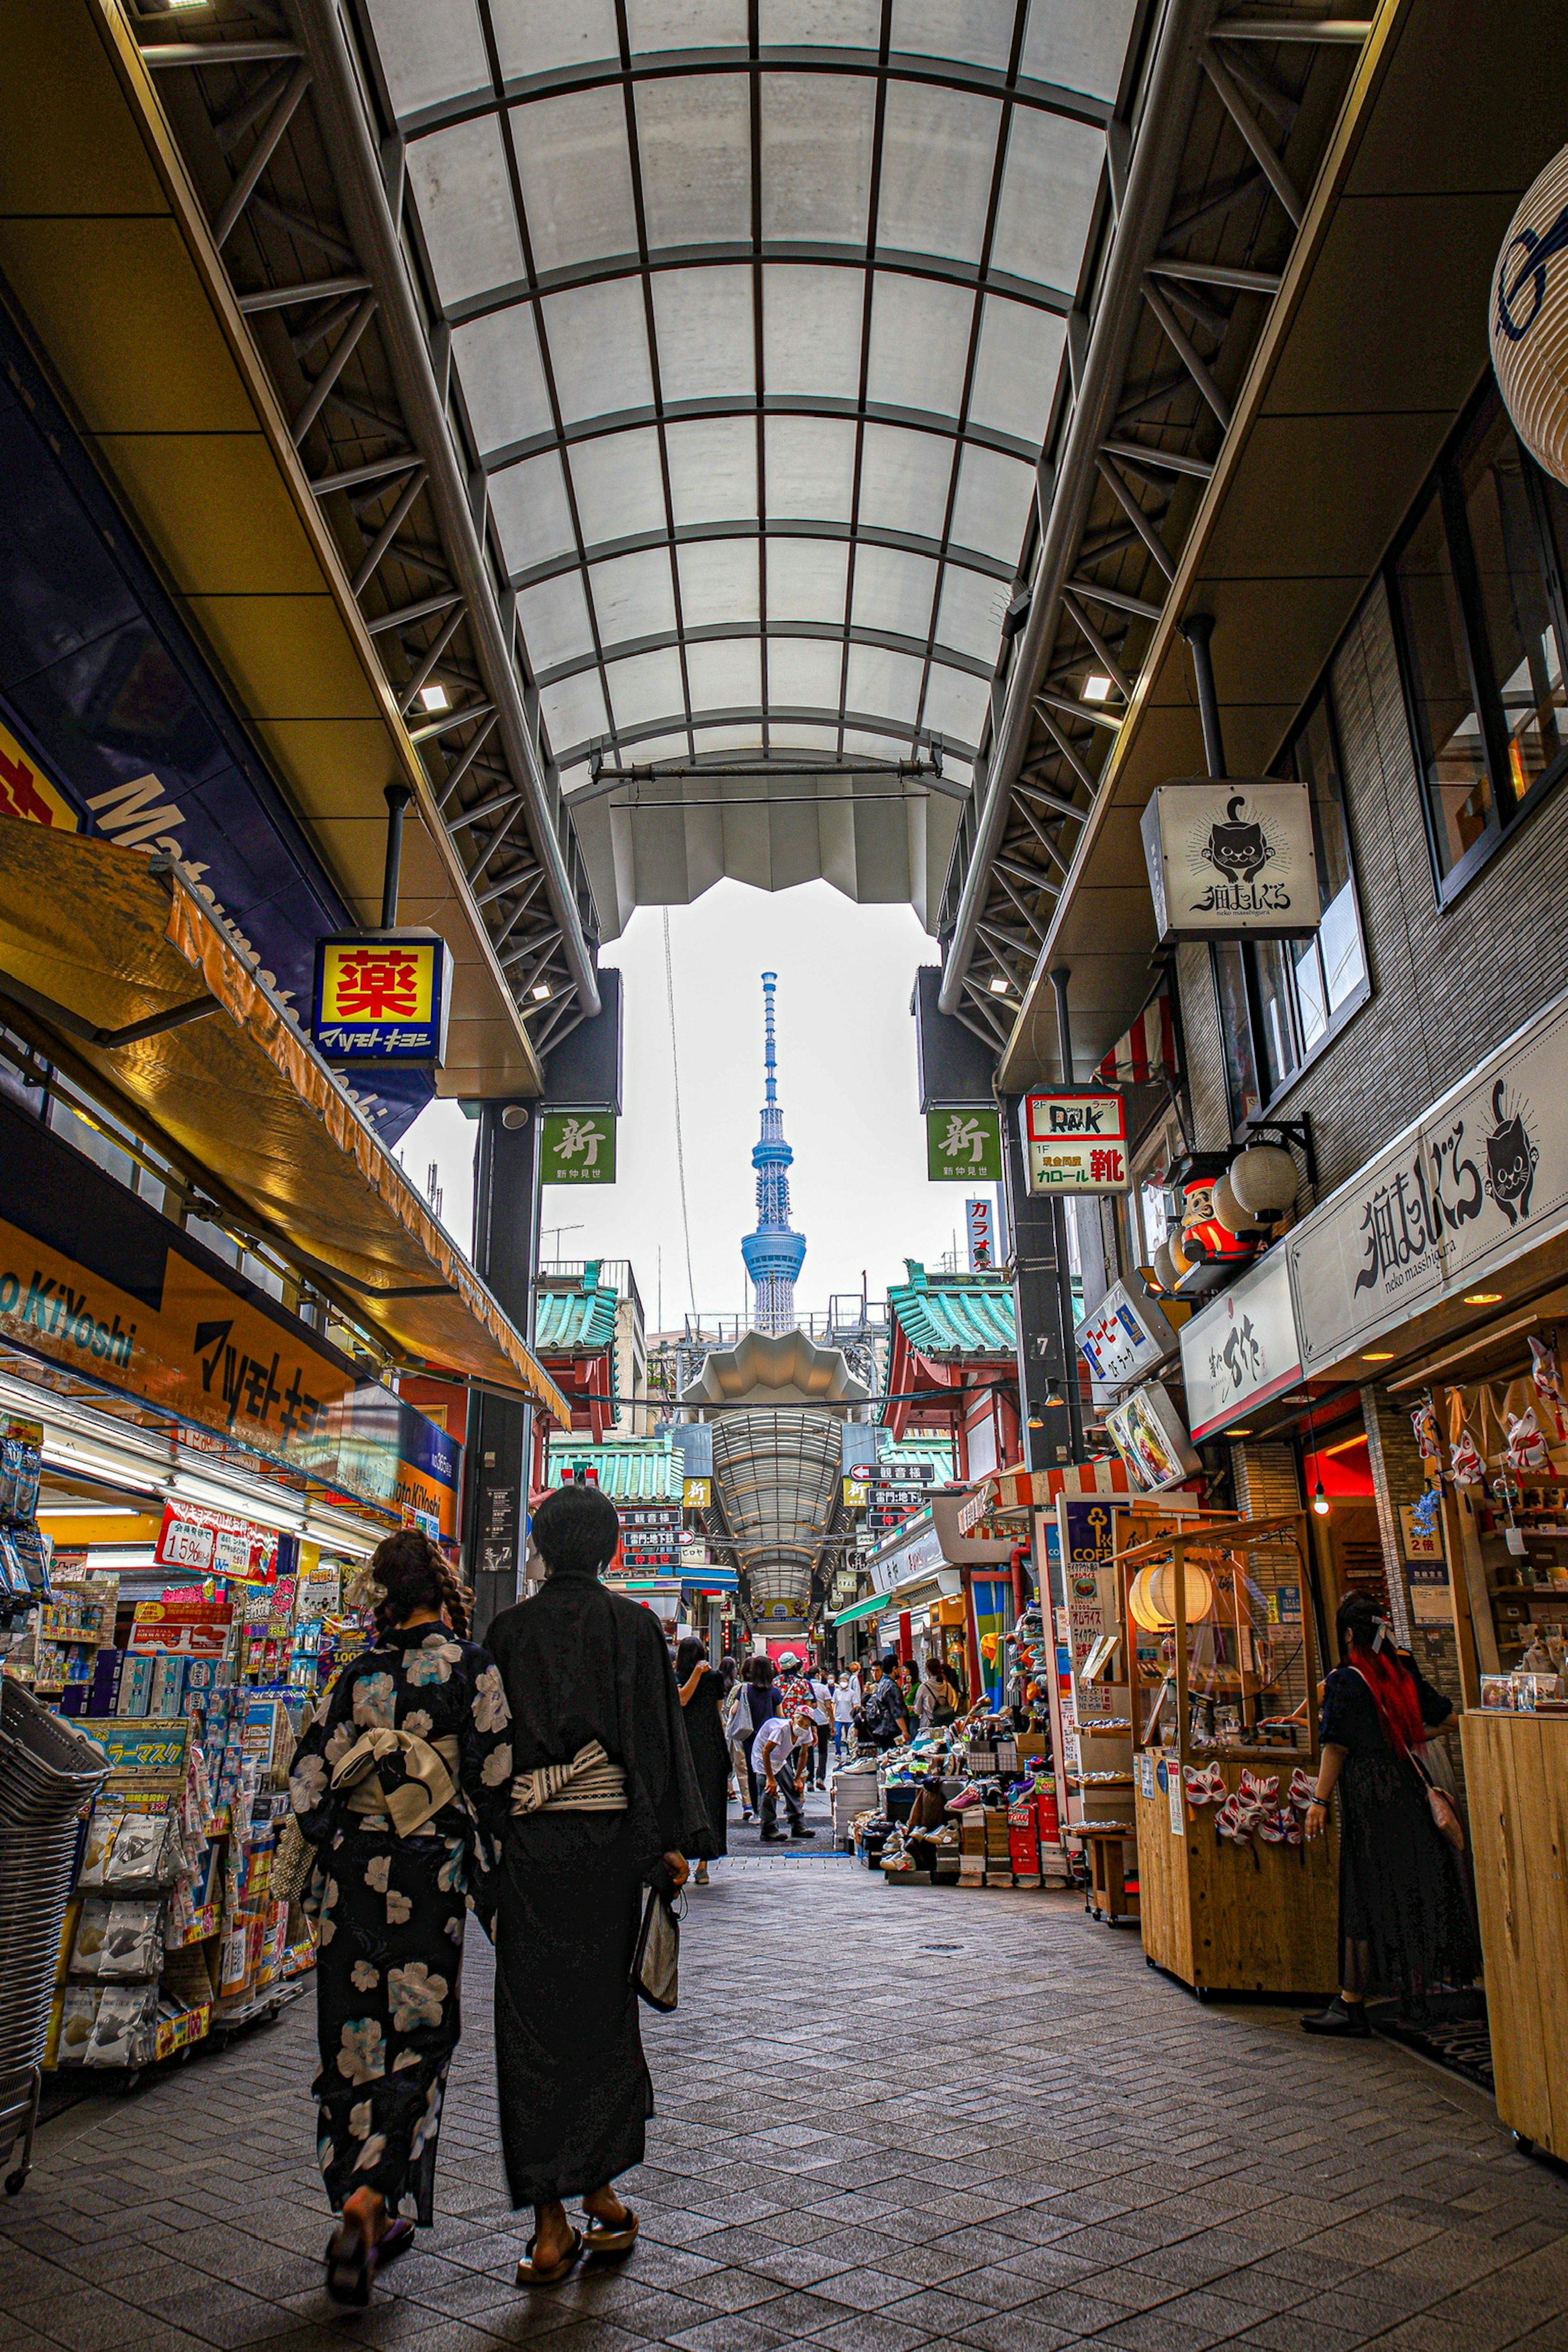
[1405, 1919]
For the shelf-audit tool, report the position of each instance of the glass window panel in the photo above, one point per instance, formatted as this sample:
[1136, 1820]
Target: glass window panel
[663, 747]
[878, 743]
[531, 514]
[713, 469]
[618, 487]
[1236, 1032]
[803, 672]
[806, 579]
[498, 364]
[554, 617]
[1335, 967]
[1079, 44]
[1017, 368]
[1505, 517]
[810, 467]
[707, 344]
[1453, 751]
[541, 37]
[811, 330]
[633, 596]
[970, 615]
[726, 674]
[428, 55]
[978, 31]
[645, 687]
[694, 134]
[747, 737]
[817, 24]
[883, 685]
[817, 156]
[1049, 188]
[939, 149]
[904, 478]
[463, 197]
[798, 735]
[920, 342]
[573, 711]
[718, 582]
[598, 348]
[1274, 965]
[686, 24]
[893, 591]
[993, 502]
[576, 177]
[955, 704]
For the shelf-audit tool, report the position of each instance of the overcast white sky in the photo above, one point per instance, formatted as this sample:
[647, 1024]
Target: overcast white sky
[847, 1081]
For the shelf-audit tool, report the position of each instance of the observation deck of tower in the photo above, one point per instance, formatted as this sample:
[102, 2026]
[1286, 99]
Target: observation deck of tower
[773, 1252]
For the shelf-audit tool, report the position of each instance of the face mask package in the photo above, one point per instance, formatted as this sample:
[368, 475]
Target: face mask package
[125, 2031]
[101, 1834]
[79, 2015]
[133, 1942]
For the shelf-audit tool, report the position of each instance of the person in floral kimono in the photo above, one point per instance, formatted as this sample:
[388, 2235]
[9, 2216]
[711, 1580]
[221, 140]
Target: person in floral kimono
[401, 1783]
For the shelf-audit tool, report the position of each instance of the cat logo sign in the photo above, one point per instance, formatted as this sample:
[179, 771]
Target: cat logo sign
[26, 793]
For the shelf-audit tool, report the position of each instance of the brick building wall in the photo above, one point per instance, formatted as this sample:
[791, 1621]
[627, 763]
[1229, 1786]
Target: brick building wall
[1204, 1054]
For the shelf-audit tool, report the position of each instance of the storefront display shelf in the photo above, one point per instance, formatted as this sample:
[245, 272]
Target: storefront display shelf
[1516, 1777]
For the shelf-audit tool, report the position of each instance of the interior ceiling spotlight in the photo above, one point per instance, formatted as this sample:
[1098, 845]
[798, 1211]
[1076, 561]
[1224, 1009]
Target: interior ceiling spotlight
[540, 992]
[998, 986]
[1377, 1355]
[434, 698]
[1483, 1298]
[1320, 1500]
[1096, 687]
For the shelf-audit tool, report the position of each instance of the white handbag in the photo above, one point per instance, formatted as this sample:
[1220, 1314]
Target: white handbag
[656, 1962]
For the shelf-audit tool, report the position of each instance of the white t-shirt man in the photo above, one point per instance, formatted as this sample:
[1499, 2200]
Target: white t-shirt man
[779, 1734]
[822, 1693]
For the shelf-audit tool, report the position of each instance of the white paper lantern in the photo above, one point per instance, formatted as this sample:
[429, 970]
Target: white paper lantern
[1529, 323]
[1263, 1178]
[1164, 1267]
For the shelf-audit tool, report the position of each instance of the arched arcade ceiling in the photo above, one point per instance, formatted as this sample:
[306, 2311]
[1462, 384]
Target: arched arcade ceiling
[757, 315]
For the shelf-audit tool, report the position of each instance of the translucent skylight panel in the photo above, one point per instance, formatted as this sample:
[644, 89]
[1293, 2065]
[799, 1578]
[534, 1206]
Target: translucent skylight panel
[633, 596]
[718, 582]
[971, 611]
[712, 469]
[800, 735]
[803, 672]
[707, 343]
[816, 139]
[993, 502]
[904, 479]
[812, 320]
[694, 133]
[499, 367]
[893, 591]
[820, 23]
[576, 177]
[806, 579]
[878, 743]
[883, 685]
[598, 348]
[554, 618]
[531, 514]
[956, 703]
[619, 488]
[920, 342]
[662, 747]
[645, 687]
[573, 711]
[685, 24]
[726, 674]
[429, 54]
[1017, 368]
[939, 152]
[979, 32]
[536, 37]
[1048, 187]
[810, 467]
[746, 739]
[459, 182]
[1080, 44]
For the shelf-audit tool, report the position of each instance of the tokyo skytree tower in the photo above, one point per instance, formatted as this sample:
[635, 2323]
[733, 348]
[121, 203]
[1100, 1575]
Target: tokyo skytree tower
[772, 1253]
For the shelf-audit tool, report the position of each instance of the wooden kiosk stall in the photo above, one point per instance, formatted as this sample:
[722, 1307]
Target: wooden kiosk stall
[1221, 1657]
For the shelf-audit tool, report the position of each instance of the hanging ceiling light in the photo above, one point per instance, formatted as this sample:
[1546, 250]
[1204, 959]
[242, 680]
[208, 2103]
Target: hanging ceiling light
[1320, 1500]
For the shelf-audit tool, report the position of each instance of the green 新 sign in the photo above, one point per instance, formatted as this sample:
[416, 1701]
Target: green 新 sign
[964, 1144]
[577, 1147]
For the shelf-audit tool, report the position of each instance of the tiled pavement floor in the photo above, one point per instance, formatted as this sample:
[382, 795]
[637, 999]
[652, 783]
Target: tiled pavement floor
[888, 2117]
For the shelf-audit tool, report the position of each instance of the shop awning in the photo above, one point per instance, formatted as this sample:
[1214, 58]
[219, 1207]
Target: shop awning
[1146, 1050]
[872, 1607]
[111, 963]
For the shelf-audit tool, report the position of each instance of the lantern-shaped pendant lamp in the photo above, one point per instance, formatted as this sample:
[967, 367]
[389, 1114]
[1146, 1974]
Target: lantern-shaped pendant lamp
[1151, 1596]
[1528, 322]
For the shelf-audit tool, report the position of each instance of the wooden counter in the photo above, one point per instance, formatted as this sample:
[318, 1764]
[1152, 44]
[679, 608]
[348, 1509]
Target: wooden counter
[1516, 1780]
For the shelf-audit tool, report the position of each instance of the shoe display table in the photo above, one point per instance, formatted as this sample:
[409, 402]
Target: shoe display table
[1516, 1780]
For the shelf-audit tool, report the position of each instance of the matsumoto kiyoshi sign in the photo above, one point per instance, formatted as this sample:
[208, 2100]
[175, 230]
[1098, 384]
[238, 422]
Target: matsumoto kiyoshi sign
[380, 998]
[1231, 857]
[577, 1147]
[964, 1143]
[1479, 1179]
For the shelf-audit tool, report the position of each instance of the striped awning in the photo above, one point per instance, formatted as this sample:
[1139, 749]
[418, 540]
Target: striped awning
[1147, 1050]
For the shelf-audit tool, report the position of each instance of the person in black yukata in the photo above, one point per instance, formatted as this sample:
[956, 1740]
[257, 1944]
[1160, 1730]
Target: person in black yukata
[606, 1803]
[401, 1783]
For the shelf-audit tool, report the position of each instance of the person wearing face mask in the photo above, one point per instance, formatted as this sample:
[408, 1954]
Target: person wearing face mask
[1406, 1923]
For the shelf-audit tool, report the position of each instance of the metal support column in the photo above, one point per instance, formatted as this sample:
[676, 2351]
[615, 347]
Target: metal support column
[397, 799]
[501, 1432]
[1198, 630]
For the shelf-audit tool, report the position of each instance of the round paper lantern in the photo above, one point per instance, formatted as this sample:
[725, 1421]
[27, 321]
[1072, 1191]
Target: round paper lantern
[1178, 1258]
[1164, 1269]
[1229, 1211]
[1263, 1178]
[1152, 1595]
[1529, 323]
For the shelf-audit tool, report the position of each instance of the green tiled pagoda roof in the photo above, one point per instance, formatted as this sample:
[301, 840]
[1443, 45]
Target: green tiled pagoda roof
[955, 1315]
[629, 1469]
[576, 1322]
[895, 1452]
